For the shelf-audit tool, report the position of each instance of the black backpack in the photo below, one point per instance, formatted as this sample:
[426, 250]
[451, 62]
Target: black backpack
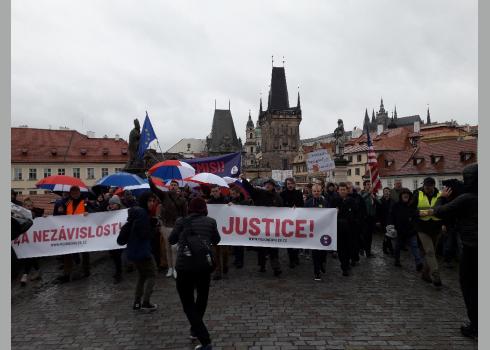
[195, 253]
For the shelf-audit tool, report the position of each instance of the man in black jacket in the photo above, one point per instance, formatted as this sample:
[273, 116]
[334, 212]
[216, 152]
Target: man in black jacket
[265, 198]
[292, 198]
[221, 252]
[346, 224]
[359, 218]
[192, 278]
[464, 209]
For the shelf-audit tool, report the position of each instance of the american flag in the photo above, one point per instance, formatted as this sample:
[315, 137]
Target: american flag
[373, 165]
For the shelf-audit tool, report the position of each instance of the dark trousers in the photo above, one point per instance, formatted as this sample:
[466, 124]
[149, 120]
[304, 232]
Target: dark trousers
[293, 255]
[273, 253]
[355, 244]
[239, 255]
[147, 272]
[155, 247]
[367, 237]
[344, 249]
[116, 256]
[194, 309]
[319, 257]
[468, 278]
[31, 263]
[69, 259]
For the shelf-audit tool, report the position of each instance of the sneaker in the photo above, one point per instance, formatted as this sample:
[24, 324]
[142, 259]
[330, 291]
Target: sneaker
[137, 306]
[169, 272]
[23, 280]
[149, 307]
[397, 263]
[317, 277]
[436, 280]
[277, 272]
[345, 273]
[62, 279]
[204, 347]
[426, 278]
[323, 268]
[174, 273]
[469, 331]
[192, 336]
[419, 267]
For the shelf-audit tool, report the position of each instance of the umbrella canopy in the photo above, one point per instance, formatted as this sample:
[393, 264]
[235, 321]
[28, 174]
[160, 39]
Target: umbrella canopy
[208, 179]
[121, 179]
[172, 170]
[61, 183]
[230, 180]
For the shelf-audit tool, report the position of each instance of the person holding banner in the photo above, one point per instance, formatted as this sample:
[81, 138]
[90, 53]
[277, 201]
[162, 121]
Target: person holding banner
[360, 215]
[319, 256]
[237, 198]
[265, 198]
[292, 198]
[116, 254]
[221, 251]
[74, 204]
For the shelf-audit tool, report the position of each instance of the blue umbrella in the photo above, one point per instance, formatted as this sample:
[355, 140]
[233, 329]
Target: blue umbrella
[121, 179]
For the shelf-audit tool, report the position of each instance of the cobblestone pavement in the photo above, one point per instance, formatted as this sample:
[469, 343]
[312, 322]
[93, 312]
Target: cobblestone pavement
[379, 307]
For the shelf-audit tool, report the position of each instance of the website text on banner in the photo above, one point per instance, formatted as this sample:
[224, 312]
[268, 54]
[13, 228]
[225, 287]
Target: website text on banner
[66, 234]
[312, 228]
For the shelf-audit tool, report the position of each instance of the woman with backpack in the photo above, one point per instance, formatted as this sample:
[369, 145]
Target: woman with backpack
[195, 234]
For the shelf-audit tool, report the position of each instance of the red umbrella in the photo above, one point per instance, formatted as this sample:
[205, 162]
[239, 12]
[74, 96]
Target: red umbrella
[61, 183]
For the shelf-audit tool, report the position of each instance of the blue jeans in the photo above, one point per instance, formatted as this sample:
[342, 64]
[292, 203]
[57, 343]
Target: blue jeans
[413, 245]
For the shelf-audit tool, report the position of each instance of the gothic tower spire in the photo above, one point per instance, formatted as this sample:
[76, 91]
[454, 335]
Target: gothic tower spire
[428, 115]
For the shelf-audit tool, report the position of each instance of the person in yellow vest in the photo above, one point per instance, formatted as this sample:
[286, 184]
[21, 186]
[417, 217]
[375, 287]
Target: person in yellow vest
[74, 205]
[429, 228]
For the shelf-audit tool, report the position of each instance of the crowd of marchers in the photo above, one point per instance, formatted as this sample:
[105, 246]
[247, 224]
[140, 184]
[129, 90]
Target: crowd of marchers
[162, 227]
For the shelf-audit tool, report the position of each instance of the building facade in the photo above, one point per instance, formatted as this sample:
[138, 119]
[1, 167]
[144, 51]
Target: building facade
[38, 153]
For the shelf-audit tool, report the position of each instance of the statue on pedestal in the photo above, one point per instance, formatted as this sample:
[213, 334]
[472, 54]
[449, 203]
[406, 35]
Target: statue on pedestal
[339, 135]
[134, 141]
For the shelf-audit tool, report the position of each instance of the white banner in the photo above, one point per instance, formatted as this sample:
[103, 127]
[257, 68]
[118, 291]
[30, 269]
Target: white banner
[307, 228]
[66, 234]
[319, 161]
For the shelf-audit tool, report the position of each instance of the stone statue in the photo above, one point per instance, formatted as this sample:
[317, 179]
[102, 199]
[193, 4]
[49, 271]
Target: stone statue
[134, 141]
[339, 135]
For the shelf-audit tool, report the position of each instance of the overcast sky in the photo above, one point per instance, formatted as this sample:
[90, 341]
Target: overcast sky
[96, 65]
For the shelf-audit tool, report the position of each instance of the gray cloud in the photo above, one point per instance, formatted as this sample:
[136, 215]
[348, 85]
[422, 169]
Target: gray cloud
[93, 65]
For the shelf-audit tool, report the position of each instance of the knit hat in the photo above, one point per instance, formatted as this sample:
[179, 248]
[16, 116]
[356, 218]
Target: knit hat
[198, 206]
[115, 200]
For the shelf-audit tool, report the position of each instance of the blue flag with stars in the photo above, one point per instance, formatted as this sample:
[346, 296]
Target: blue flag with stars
[147, 136]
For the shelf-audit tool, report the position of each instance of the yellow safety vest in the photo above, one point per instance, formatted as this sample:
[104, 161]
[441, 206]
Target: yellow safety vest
[425, 205]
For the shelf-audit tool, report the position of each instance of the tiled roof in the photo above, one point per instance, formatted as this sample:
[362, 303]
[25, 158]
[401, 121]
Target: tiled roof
[451, 162]
[388, 140]
[29, 145]
[43, 201]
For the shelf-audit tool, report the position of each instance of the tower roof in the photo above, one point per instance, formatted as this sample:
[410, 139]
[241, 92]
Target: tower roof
[250, 123]
[278, 93]
[223, 133]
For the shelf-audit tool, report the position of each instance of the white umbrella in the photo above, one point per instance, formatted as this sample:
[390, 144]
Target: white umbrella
[208, 179]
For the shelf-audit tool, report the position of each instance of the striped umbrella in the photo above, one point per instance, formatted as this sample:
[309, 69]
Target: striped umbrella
[61, 183]
[172, 170]
[121, 179]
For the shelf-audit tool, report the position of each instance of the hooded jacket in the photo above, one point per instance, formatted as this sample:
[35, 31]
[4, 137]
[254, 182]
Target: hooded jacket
[464, 208]
[173, 206]
[403, 216]
[142, 230]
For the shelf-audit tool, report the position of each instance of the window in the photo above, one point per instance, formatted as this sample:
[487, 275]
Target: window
[350, 158]
[32, 174]
[390, 183]
[349, 172]
[76, 172]
[18, 174]
[415, 184]
[32, 192]
[285, 164]
[251, 136]
[251, 150]
[358, 171]
[61, 171]
[47, 172]
[358, 183]
[90, 173]
[359, 158]
[105, 172]
[117, 170]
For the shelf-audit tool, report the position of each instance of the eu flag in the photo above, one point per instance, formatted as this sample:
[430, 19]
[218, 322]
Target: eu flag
[147, 136]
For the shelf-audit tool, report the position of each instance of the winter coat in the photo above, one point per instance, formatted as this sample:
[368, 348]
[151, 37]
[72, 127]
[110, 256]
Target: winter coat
[173, 206]
[220, 200]
[318, 203]
[292, 198]
[403, 217]
[384, 209]
[263, 198]
[201, 225]
[142, 232]
[346, 217]
[463, 208]
[370, 203]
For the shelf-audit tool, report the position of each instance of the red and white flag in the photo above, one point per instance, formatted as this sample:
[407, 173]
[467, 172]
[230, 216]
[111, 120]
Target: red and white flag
[373, 165]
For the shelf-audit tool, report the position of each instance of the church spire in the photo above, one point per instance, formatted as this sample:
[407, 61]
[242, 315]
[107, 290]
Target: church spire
[229, 105]
[396, 116]
[299, 102]
[381, 106]
[260, 105]
[365, 126]
[428, 115]
[373, 118]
